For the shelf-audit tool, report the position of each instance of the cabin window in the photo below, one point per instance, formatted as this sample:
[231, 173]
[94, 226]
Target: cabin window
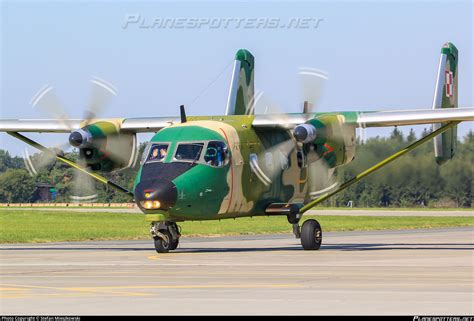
[157, 153]
[190, 152]
[217, 154]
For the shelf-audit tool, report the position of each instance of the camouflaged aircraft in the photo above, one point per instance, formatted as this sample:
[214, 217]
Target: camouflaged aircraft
[241, 164]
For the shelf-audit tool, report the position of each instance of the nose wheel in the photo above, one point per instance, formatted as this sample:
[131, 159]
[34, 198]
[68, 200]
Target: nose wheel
[165, 235]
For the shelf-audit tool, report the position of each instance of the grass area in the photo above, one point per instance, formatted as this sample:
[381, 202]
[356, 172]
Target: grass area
[63, 207]
[47, 226]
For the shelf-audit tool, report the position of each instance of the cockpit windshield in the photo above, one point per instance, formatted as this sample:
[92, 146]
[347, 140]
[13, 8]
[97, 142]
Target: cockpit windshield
[210, 153]
[157, 152]
[189, 152]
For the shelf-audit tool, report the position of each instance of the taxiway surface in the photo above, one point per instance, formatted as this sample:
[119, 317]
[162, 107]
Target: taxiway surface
[382, 272]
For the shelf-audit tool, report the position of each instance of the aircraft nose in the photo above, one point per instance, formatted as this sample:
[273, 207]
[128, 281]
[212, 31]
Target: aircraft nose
[156, 194]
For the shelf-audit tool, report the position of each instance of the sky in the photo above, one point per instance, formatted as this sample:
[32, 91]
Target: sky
[378, 55]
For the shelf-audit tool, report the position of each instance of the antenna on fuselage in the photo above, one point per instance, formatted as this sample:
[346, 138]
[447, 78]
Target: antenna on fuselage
[183, 113]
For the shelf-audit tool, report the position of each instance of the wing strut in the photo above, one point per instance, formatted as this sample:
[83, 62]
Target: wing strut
[379, 165]
[70, 163]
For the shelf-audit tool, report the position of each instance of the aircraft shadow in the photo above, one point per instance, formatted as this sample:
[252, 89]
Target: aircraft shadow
[89, 248]
[341, 247]
[331, 247]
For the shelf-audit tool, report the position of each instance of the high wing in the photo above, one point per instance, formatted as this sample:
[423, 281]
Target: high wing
[38, 125]
[154, 124]
[134, 125]
[373, 118]
[414, 117]
[151, 124]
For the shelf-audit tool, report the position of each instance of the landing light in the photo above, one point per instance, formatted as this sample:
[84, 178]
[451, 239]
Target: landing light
[151, 204]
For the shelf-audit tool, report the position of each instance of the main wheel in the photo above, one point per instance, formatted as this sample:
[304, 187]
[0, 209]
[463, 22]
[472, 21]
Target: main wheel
[311, 235]
[164, 245]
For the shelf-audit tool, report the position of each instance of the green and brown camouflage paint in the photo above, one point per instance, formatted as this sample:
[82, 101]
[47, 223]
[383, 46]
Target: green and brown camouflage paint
[234, 190]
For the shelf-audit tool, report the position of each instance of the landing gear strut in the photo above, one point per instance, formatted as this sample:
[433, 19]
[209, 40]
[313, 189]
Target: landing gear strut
[294, 219]
[166, 236]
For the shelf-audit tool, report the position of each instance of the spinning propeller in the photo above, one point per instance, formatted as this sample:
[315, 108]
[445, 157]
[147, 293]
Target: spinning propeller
[319, 174]
[101, 93]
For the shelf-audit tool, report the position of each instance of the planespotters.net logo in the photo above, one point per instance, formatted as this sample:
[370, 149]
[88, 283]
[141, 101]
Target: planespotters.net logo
[434, 318]
[139, 21]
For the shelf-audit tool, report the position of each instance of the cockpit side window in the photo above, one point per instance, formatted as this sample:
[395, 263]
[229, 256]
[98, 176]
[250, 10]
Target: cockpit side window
[146, 150]
[157, 152]
[217, 154]
[188, 152]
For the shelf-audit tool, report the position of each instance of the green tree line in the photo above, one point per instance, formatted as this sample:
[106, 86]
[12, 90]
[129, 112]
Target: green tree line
[18, 182]
[412, 181]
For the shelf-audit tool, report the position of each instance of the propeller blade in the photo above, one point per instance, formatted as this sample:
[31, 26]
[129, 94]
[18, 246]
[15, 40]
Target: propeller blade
[264, 105]
[312, 83]
[273, 111]
[84, 189]
[321, 178]
[35, 162]
[274, 160]
[117, 143]
[102, 93]
[46, 101]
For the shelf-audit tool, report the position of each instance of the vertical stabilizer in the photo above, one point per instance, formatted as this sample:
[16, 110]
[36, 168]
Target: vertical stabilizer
[241, 94]
[446, 96]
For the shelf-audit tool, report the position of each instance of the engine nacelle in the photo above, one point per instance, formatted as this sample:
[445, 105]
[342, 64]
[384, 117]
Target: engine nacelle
[103, 147]
[330, 137]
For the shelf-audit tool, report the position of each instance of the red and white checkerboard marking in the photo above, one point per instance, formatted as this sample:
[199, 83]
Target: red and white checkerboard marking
[449, 83]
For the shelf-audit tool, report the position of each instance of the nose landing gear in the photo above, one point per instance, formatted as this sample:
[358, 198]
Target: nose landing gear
[166, 236]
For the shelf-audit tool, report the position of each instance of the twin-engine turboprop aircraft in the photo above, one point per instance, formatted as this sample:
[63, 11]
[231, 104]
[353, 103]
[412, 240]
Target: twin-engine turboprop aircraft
[241, 164]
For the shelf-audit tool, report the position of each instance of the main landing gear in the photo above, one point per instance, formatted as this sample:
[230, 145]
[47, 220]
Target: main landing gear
[166, 236]
[310, 233]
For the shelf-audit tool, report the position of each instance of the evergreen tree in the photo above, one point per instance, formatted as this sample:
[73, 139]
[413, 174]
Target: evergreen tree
[411, 136]
[16, 186]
